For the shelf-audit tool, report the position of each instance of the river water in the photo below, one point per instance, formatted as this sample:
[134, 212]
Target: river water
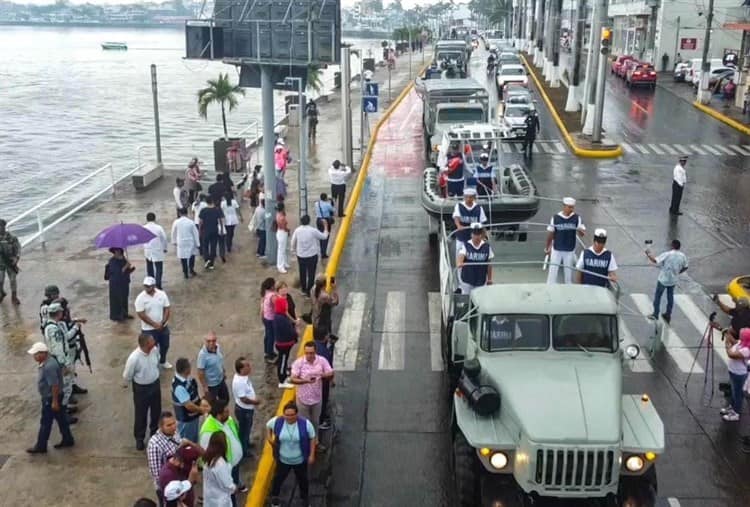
[67, 107]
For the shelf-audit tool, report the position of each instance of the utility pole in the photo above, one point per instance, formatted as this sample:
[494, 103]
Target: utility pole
[346, 106]
[704, 95]
[269, 170]
[677, 40]
[601, 82]
[654, 4]
[572, 103]
[157, 131]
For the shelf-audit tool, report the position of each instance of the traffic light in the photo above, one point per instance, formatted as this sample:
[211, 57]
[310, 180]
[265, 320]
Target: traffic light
[606, 40]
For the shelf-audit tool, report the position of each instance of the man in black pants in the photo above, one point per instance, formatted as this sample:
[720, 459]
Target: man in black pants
[211, 221]
[306, 246]
[532, 128]
[338, 174]
[142, 370]
[679, 178]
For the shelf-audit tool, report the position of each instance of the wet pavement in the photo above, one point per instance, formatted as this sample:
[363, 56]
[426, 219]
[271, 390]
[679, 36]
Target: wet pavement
[104, 468]
[394, 443]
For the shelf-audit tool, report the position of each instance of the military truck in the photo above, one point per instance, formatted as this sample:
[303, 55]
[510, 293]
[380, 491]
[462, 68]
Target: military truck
[447, 102]
[537, 388]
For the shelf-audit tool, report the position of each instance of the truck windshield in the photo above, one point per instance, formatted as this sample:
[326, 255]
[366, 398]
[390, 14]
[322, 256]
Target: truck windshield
[515, 332]
[449, 55]
[594, 333]
[459, 115]
[516, 112]
[511, 72]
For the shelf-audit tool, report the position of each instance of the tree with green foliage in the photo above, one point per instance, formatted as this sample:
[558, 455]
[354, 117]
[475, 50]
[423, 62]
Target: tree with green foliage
[219, 91]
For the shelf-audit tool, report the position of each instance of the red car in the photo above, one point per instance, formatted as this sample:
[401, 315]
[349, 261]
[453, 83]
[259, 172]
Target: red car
[641, 74]
[625, 67]
[618, 64]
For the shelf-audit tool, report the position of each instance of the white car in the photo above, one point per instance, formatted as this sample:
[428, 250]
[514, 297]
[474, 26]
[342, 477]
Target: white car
[511, 73]
[514, 119]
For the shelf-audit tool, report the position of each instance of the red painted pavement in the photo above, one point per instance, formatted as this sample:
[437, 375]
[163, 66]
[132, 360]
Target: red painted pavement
[399, 151]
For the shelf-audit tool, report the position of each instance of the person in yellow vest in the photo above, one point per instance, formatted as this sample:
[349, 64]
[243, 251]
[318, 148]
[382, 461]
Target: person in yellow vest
[219, 419]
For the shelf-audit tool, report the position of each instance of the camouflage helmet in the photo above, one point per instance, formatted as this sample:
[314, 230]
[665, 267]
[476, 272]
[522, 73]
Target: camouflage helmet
[51, 290]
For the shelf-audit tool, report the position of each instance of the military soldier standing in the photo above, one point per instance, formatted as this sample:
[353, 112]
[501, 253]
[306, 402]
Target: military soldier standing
[56, 336]
[10, 253]
[532, 128]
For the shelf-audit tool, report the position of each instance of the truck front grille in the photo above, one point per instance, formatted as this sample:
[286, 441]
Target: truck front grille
[574, 469]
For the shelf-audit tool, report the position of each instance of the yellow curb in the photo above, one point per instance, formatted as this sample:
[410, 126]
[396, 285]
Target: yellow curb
[267, 463]
[722, 118]
[581, 152]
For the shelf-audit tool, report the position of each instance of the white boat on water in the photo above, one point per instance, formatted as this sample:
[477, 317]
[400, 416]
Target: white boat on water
[114, 45]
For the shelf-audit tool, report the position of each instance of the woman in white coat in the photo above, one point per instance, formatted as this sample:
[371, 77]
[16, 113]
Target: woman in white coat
[218, 485]
[187, 242]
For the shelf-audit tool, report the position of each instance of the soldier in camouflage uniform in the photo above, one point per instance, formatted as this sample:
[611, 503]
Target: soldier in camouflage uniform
[56, 337]
[10, 252]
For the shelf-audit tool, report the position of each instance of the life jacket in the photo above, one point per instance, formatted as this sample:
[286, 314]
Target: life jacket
[181, 413]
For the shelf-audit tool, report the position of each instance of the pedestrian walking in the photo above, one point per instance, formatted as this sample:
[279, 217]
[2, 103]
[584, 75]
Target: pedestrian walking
[308, 373]
[338, 174]
[142, 371]
[311, 113]
[220, 421]
[49, 384]
[156, 249]
[466, 213]
[232, 218]
[181, 466]
[162, 444]
[281, 226]
[561, 241]
[738, 352]
[57, 338]
[218, 189]
[531, 124]
[211, 221]
[152, 307]
[679, 178]
[187, 243]
[258, 227]
[306, 246]
[473, 258]
[219, 486]
[180, 195]
[325, 341]
[117, 273]
[245, 401]
[324, 211]
[210, 366]
[597, 265]
[671, 264]
[186, 401]
[10, 254]
[284, 333]
[293, 440]
[192, 180]
[267, 293]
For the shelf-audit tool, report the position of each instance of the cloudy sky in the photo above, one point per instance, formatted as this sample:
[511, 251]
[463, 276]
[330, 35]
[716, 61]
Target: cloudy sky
[348, 3]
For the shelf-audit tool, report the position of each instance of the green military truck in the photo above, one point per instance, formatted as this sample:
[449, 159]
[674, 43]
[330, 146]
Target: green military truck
[537, 387]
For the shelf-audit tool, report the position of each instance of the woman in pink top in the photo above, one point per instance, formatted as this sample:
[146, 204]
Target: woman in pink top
[267, 313]
[281, 225]
[192, 180]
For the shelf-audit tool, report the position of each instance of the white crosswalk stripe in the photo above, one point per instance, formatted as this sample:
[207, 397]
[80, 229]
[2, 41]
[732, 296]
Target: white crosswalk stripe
[627, 148]
[672, 150]
[392, 344]
[699, 321]
[434, 309]
[669, 149]
[560, 147]
[642, 149]
[641, 364]
[673, 345]
[739, 149]
[696, 149]
[546, 147]
[350, 329]
[712, 150]
[655, 148]
[724, 149]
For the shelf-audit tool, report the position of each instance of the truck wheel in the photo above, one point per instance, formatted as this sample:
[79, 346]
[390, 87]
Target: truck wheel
[465, 472]
[639, 491]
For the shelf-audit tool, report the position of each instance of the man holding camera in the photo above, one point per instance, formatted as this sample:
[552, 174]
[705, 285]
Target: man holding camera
[740, 316]
[671, 265]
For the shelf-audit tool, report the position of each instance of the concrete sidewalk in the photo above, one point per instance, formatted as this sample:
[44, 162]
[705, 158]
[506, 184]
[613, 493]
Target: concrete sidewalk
[104, 468]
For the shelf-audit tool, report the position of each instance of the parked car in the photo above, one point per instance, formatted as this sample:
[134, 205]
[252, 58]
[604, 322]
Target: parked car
[693, 75]
[681, 71]
[622, 70]
[618, 62]
[715, 75]
[642, 74]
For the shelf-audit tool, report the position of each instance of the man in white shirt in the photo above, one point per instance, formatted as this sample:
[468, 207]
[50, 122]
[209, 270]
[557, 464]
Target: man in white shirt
[186, 241]
[245, 401]
[180, 195]
[338, 173]
[142, 370]
[306, 246]
[155, 249]
[679, 178]
[152, 307]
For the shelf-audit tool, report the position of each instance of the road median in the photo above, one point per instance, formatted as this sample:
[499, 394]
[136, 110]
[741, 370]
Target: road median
[722, 117]
[567, 122]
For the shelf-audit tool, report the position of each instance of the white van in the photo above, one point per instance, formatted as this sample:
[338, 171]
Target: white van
[694, 74]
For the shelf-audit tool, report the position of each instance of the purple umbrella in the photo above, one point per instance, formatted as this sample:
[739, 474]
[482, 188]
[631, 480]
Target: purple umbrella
[123, 236]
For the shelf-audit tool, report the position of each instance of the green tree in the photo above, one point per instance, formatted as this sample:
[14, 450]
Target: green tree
[221, 91]
[314, 78]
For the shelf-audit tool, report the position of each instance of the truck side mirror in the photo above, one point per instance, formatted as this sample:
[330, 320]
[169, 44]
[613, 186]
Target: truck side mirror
[460, 338]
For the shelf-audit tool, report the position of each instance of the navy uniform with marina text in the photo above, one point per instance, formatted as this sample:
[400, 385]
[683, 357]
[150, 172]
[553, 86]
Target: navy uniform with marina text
[597, 264]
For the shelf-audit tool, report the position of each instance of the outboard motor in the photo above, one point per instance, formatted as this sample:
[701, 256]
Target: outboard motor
[484, 400]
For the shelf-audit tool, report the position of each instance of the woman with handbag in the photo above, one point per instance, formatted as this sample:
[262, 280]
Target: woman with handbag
[738, 352]
[285, 334]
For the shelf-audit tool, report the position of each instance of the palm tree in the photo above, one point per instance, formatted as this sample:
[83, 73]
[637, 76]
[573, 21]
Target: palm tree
[314, 78]
[221, 91]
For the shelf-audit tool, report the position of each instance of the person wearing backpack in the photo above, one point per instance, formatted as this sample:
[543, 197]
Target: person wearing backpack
[293, 441]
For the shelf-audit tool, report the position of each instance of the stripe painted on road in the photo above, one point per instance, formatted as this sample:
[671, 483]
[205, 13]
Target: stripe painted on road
[656, 149]
[669, 149]
[642, 149]
[534, 148]
[640, 365]
[709, 148]
[350, 328]
[673, 502]
[725, 150]
[699, 321]
[392, 345]
[695, 148]
[546, 147]
[739, 150]
[560, 147]
[627, 148]
[681, 149]
[672, 343]
[434, 310]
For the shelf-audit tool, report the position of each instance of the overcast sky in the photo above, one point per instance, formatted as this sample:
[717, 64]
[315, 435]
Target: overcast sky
[347, 3]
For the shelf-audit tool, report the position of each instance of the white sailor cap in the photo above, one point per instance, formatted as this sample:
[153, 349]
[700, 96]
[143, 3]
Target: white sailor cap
[600, 233]
[476, 227]
[470, 191]
[484, 155]
[569, 201]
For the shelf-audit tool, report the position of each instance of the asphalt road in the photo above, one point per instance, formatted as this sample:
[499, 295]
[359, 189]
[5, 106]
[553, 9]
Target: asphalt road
[391, 400]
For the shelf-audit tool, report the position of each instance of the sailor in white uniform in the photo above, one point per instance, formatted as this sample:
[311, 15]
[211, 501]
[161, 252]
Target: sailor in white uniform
[561, 240]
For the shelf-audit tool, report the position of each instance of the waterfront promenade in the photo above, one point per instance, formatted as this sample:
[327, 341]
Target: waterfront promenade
[104, 468]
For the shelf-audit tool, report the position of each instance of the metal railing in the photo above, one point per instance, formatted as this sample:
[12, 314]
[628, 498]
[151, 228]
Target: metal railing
[63, 211]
